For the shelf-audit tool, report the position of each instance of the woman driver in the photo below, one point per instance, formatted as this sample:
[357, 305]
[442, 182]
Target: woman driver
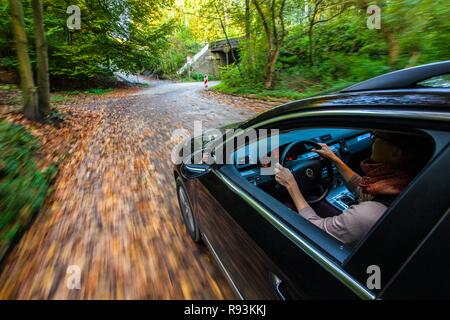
[392, 165]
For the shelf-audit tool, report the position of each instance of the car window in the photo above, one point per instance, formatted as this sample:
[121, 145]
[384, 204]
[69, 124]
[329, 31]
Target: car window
[347, 204]
[442, 81]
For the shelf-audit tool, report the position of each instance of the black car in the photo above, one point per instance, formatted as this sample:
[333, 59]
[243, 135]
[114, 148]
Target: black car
[268, 251]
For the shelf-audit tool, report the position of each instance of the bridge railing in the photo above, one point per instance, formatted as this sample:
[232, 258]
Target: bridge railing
[197, 56]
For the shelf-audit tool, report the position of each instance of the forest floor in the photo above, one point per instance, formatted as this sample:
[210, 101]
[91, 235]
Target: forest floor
[113, 210]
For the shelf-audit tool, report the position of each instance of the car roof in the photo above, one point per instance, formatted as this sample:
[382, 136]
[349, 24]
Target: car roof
[396, 90]
[423, 100]
[401, 79]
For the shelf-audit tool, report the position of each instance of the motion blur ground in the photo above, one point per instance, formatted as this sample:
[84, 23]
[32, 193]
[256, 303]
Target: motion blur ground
[114, 213]
[99, 219]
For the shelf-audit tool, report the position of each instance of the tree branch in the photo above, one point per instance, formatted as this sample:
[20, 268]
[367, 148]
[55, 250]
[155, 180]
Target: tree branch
[264, 22]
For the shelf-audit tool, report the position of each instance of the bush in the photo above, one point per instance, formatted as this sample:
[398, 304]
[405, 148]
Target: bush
[231, 76]
[23, 187]
[196, 76]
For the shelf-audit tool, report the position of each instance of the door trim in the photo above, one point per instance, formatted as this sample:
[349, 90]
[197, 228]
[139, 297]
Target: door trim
[303, 244]
[222, 267]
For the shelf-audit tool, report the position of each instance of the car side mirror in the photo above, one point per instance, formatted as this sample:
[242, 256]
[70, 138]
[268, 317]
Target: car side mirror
[194, 171]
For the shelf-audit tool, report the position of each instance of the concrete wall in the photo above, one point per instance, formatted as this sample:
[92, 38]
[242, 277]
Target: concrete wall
[211, 62]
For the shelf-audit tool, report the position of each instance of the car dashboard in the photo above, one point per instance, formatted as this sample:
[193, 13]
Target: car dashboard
[345, 143]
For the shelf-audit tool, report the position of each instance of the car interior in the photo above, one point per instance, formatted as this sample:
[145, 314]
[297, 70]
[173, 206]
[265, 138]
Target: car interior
[325, 190]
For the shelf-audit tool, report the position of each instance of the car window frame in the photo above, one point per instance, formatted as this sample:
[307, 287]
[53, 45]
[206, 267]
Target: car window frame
[384, 121]
[287, 223]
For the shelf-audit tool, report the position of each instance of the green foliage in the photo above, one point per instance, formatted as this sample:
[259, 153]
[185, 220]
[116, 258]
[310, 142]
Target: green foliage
[257, 90]
[55, 115]
[99, 91]
[345, 50]
[23, 187]
[157, 35]
[129, 35]
[57, 98]
[8, 87]
[7, 54]
[232, 77]
[182, 44]
[196, 77]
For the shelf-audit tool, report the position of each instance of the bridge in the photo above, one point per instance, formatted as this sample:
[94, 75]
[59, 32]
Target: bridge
[224, 44]
[212, 57]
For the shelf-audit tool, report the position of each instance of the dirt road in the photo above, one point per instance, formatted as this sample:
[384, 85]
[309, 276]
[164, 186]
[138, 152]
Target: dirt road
[114, 213]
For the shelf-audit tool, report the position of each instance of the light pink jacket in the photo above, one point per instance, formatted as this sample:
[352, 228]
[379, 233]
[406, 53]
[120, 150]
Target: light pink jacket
[353, 223]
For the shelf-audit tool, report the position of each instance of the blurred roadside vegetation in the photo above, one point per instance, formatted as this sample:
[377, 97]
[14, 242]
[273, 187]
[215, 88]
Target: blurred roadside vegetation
[344, 51]
[23, 185]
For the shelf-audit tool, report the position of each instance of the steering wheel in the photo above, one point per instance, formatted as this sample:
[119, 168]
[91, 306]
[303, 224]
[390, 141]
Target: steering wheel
[308, 174]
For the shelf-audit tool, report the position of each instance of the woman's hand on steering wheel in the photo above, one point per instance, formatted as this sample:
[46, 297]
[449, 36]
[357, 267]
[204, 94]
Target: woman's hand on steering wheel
[284, 176]
[306, 175]
[326, 152]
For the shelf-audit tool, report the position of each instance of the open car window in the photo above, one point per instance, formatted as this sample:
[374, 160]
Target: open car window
[351, 145]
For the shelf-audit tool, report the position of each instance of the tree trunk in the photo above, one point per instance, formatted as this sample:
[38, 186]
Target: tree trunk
[274, 38]
[271, 61]
[43, 81]
[394, 48]
[247, 36]
[29, 94]
[310, 45]
[247, 20]
[414, 56]
[225, 33]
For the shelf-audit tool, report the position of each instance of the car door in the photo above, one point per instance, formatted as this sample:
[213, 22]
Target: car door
[426, 274]
[221, 216]
[263, 255]
[269, 251]
[261, 251]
